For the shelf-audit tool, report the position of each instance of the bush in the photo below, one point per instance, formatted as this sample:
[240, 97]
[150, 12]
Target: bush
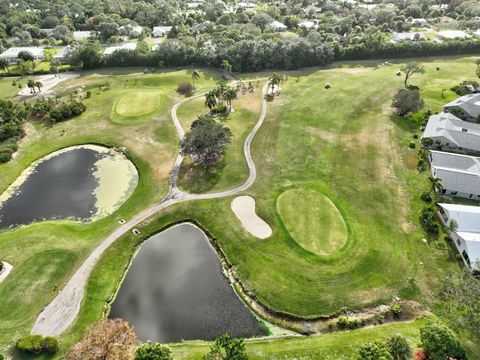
[407, 101]
[412, 145]
[399, 347]
[396, 310]
[427, 142]
[67, 111]
[426, 197]
[184, 88]
[5, 157]
[219, 109]
[420, 355]
[1, 357]
[439, 342]
[37, 344]
[344, 322]
[374, 350]
[153, 351]
[428, 220]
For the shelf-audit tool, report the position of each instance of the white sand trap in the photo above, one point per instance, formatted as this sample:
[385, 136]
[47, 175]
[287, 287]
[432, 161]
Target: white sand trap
[244, 209]
[6, 270]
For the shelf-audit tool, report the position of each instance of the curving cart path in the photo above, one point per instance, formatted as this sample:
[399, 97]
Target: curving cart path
[56, 317]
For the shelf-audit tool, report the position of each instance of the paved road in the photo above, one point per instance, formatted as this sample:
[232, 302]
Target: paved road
[63, 310]
[49, 82]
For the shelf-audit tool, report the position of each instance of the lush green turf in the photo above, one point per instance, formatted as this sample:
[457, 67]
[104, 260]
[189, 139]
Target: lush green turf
[344, 142]
[336, 346]
[312, 220]
[7, 90]
[232, 169]
[136, 106]
[44, 255]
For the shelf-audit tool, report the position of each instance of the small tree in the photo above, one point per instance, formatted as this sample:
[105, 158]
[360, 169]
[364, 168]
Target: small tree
[107, 339]
[478, 68]
[410, 69]
[31, 86]
[25, 56]
[275, 80]
[38, 85]
[227, 348]
[399, 347]
[226, 66]
[440, 343]
[153, 351]
[195, 77]
[206, 141]
[374, 350]
[407, 101]
[4, 64]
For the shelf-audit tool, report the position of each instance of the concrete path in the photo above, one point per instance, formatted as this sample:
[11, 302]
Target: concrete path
[63, 310]
[49, 82]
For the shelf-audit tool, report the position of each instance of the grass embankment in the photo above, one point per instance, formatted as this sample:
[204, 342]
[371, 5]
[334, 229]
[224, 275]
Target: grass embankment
[58, 248]
[312, 220]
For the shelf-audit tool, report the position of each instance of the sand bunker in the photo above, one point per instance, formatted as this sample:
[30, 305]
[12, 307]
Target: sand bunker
[244, 209]
[6, 270]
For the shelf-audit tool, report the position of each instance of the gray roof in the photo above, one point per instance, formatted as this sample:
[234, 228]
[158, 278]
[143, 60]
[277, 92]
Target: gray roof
[464, 134]
[470, 104]
[13, 52]
[457, 172]
[467, 219]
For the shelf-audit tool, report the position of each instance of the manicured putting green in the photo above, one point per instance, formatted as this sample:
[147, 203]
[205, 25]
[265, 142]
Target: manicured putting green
[312, 220]
[137, 105]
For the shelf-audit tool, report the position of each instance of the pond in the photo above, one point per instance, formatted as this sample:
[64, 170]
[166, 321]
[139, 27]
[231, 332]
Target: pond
[175, 289]
[83, 182]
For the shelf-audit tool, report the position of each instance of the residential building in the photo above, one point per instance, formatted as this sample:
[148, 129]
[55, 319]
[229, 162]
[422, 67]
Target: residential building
[12, 54]
[63, 55]
[453, 34]
[463, 224]
[128, 46]
[459, 174]
[131, 30]
[161, 31]
[413, 36]
[278, 26]
[452, 134]
[419, 22]
[81, 35]
[466, 107]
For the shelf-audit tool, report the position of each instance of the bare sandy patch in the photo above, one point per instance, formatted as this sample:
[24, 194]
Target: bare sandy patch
[7, 267]
[244, 209]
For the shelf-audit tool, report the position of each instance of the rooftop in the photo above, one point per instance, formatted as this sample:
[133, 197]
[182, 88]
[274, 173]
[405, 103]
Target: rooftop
[112, 49]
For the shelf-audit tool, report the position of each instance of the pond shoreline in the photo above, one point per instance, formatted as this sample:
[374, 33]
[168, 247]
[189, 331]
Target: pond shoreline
[290, 324]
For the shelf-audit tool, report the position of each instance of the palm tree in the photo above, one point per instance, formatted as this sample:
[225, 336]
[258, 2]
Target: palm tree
[211, 99]
[436, 184]
[31, 85]
[229, 95]
[195, 76]
[4, 64]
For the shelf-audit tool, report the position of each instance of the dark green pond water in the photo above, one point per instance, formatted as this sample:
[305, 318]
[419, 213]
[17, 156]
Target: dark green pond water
[175, 289]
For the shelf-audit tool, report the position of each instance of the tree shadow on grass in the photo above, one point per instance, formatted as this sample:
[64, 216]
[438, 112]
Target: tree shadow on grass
[199, 179]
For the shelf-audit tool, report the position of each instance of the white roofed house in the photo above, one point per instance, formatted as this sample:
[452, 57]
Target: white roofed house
[413, 36]
[453, 34]
[63, 55]
[459, 174]
[131, 30]
[81, 35]
[12, 54]
[452, 134]
[128, 46]
[463, 224]
[419, 22]
[278, 26]
[466, 107]
[161, 31]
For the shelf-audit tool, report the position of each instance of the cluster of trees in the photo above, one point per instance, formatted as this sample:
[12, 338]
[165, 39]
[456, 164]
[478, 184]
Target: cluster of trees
[116, 339]
[219, 100]
[66, 111]
[11, 118]
[438, 343]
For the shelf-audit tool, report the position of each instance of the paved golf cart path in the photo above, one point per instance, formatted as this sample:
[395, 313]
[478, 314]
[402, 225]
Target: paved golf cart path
[63, 310]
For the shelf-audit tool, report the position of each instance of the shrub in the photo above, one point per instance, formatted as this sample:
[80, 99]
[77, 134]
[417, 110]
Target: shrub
[407, 101]
[153, 351]
[344, 322]
[396, 310]
[428, 220]
[88, 94]
[37, 344]
[1, 357]
[427, 142]
[421, 165]
[374, 350]
[399, 347]
[426, 197]
[184, 88]
[420, 355]
[67, 111]
[5, 157]
[412, 145]
[221, 109]
[439, 342]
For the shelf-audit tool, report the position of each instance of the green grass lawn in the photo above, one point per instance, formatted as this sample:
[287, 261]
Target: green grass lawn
[312, 220]
[7, 90]
[137, 106]
[343, 141]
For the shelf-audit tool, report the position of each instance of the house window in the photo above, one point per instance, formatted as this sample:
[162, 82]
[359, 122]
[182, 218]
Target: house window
[471, 195]
[445, 190]
[447, 144]
[459, 242]
[465, 256]
[438, 142]
[454, 193]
